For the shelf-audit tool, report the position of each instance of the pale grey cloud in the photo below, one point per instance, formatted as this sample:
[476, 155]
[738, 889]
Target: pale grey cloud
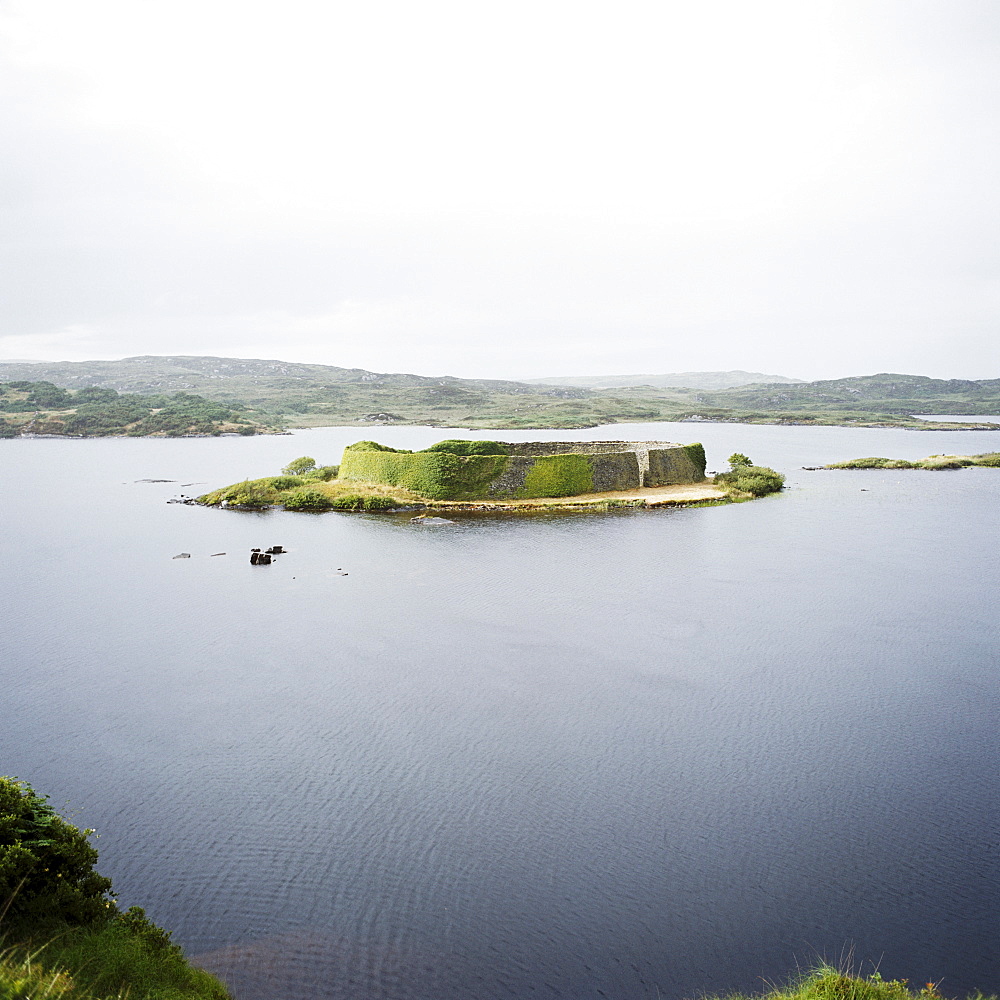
[511, 191]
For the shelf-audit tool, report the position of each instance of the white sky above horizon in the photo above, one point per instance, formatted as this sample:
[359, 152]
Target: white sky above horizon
[505, 191]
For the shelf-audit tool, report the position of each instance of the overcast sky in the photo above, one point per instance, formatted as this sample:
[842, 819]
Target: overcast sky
[512, 189]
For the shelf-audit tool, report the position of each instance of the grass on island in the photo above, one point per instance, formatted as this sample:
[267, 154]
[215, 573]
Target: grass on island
[828, 983]
[62, 935]
[937, 463]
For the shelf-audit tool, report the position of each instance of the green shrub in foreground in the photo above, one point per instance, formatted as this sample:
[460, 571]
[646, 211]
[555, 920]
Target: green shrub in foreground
[46, 864]
[66, 936]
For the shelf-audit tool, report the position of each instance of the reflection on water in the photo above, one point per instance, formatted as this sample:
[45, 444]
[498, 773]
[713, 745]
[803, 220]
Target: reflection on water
[636, 753]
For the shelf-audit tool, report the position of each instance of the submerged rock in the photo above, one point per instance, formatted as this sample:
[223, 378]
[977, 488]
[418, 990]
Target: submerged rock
[424, 519]
[183, 555]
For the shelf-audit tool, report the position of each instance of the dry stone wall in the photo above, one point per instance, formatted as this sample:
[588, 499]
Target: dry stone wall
[529, 469]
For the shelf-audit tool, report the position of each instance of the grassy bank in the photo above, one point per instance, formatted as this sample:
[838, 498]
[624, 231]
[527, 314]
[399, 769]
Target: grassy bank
[935, 463]
[62, 934]
[828, 983]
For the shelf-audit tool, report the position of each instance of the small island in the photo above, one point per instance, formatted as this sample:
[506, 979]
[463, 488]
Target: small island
[493, 475]
[935, 463]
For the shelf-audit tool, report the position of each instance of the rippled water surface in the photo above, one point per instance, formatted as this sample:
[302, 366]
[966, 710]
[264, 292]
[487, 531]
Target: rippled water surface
[632, 754]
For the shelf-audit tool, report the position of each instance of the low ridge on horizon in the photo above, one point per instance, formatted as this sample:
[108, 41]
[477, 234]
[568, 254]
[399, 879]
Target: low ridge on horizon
[673, 380]
[196, 363]
[692, 380]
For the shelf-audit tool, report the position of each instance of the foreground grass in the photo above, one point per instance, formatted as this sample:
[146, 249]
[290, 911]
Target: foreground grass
[828, 983]
[107, 963]
[933, 462]
[125, 957]
[62, 934]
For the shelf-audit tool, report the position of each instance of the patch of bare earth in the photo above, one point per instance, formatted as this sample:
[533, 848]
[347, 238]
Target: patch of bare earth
[654, 496]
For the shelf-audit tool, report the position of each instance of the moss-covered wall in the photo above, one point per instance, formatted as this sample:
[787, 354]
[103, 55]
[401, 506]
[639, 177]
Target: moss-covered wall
[681, 464]
[437, 475]
[533, 469]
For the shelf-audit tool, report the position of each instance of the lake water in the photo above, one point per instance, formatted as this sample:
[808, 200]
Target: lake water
[632, 754]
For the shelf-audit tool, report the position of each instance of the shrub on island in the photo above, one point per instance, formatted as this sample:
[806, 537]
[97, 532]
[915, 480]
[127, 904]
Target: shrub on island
[372, 504]
[321, 474]
[311, 501]
[745, 477]
[298, 466]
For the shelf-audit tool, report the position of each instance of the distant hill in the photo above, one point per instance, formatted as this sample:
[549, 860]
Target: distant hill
[237, 376]
[678, 380]
[886, 393]
[305, 395]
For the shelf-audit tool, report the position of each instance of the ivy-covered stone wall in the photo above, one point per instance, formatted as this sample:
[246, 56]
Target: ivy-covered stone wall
[528, 470]
[679, 464]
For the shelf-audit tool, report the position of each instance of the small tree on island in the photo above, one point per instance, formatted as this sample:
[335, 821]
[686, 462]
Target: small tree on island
[299, 466]
[738, 461]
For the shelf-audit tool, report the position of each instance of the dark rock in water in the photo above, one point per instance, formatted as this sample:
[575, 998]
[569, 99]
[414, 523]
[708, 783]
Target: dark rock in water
[264, 560]
[254, 556]
[183, 555]
[276, 549]
[255, 550]
[214, 554]
[423, 519]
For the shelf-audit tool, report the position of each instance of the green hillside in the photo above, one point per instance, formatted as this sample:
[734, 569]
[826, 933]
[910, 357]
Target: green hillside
[41, 408]
[302, 395]
[885, 393]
